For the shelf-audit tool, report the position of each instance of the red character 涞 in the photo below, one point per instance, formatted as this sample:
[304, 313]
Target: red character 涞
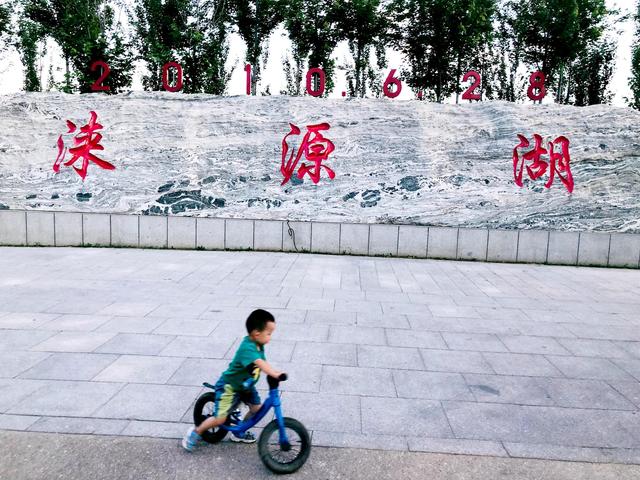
[558, 162]
[316, 149]
[82, 149]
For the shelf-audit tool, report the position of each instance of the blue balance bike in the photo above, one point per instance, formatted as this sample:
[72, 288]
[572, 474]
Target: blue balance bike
[283, 445]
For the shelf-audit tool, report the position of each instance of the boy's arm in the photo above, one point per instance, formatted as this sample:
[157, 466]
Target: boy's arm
[268, 369]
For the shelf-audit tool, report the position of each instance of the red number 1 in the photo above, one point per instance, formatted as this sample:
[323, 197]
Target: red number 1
[247, 68]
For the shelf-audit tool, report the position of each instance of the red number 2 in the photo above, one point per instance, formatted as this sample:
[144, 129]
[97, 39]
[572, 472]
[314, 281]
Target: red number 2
[97, 85]
[468, 93]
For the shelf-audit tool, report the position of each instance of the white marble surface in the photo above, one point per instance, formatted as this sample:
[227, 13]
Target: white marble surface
[395, 161]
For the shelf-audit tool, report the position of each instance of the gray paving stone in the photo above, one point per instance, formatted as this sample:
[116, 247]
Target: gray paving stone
[453, 311]
[140, 369]
[360, 306]
[74, 342]
[137, 428]
[302, 377]
[25, 321]
[195, 371]
[131, 324]
[179, 310]
[13, 390]
[357, 381]
[138, 402]
[12, 340]
[87, 426]
[575, 454]
[591, 368]
[178, 326]
[542, 329]
[303, 332]
[76, 323]
[330, 318]
[632, 347]
[567, 392]
[630, 390]
[389, 357]
[500, 313]
[449, 361]
[352, 440]
[521, 364]
[594, 348]
[311, 409]
[13, 363]
[135, 344]
[81, 306]
[457, 446]
[432, 299]
[70, 366]
[128, 309]
[381, 320]
[412, 338]
[527, 424]
[66, 399]
[507, 389]
[17, 422]
[382, 416]
[478, 342]
[629, 365]
[357, 335]
[299, 303]
[398, 308]
[530, 344]
[431, 385]
[196, 347]
[325, 353]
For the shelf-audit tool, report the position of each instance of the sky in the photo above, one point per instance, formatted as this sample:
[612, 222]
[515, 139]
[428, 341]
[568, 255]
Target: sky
[12, 74]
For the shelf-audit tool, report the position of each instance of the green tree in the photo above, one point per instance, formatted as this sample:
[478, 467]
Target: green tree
[591, 74]
[86, 31]
[29, 36]
[554, 33]
[635, 64]
[255, 20]
[363, 25]
[5, 26]
[314, 31]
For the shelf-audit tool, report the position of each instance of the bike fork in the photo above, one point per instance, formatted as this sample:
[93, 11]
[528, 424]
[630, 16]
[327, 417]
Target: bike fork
[285, 445]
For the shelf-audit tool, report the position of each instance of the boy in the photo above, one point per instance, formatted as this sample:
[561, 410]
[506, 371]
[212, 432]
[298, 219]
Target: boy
[248, 358]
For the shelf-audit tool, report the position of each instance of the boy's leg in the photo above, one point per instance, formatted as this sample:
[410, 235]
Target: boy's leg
[211, 422]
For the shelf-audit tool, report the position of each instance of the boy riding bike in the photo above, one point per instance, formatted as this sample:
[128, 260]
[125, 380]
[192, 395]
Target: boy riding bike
[237, 383]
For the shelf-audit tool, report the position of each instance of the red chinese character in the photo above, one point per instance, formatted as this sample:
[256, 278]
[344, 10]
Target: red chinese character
[83, 146]
[316, 148]
[538, 167]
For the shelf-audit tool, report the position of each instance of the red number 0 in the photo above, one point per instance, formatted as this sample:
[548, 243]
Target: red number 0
[97, 85]
[320, 90]
[165, 77]
[389, 81]
[468, 93]
[536, 81]
[247, 68]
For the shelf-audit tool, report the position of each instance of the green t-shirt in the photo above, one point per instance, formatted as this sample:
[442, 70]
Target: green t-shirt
[248, 352]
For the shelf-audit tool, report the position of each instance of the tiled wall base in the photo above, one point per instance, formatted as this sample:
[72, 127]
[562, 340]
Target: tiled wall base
[41, 228]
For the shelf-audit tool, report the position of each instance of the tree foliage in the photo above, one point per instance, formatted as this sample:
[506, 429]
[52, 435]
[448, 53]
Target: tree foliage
[635, 64]
[86, 31]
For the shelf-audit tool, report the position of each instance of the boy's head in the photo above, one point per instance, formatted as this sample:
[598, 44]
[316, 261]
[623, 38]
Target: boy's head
[260, 326]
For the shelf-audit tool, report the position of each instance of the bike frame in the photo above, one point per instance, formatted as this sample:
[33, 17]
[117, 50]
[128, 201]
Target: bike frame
[272, 401]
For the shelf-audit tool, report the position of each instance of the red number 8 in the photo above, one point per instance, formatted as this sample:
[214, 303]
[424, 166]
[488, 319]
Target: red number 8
[536, 82]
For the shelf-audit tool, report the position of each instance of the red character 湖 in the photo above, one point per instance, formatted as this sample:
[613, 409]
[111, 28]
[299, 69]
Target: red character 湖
[315, 147]
[558, 162]
[82, 149]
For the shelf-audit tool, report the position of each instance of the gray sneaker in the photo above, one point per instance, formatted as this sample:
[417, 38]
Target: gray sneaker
[247, 437]
[191, 440]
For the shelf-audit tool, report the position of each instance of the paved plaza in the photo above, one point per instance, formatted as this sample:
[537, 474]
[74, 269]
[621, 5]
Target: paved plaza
[506, 360]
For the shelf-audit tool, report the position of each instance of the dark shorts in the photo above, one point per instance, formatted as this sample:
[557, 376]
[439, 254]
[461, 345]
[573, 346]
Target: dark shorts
[227, 398]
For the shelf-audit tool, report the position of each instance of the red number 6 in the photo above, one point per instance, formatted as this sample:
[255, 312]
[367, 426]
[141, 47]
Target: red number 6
[320, 90]
[391, 80]
[165, 77]
[468, 93]
[97, 85]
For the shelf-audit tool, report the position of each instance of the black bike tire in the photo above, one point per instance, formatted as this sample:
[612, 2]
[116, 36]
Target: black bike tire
[305, 448]
[198, 417]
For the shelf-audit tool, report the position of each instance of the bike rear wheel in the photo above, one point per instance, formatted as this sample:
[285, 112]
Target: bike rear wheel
[204, 408]
[284, 458]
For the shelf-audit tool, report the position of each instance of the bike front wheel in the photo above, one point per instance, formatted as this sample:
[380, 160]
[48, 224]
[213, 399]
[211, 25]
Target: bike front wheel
[284, 458]
[204, 409]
